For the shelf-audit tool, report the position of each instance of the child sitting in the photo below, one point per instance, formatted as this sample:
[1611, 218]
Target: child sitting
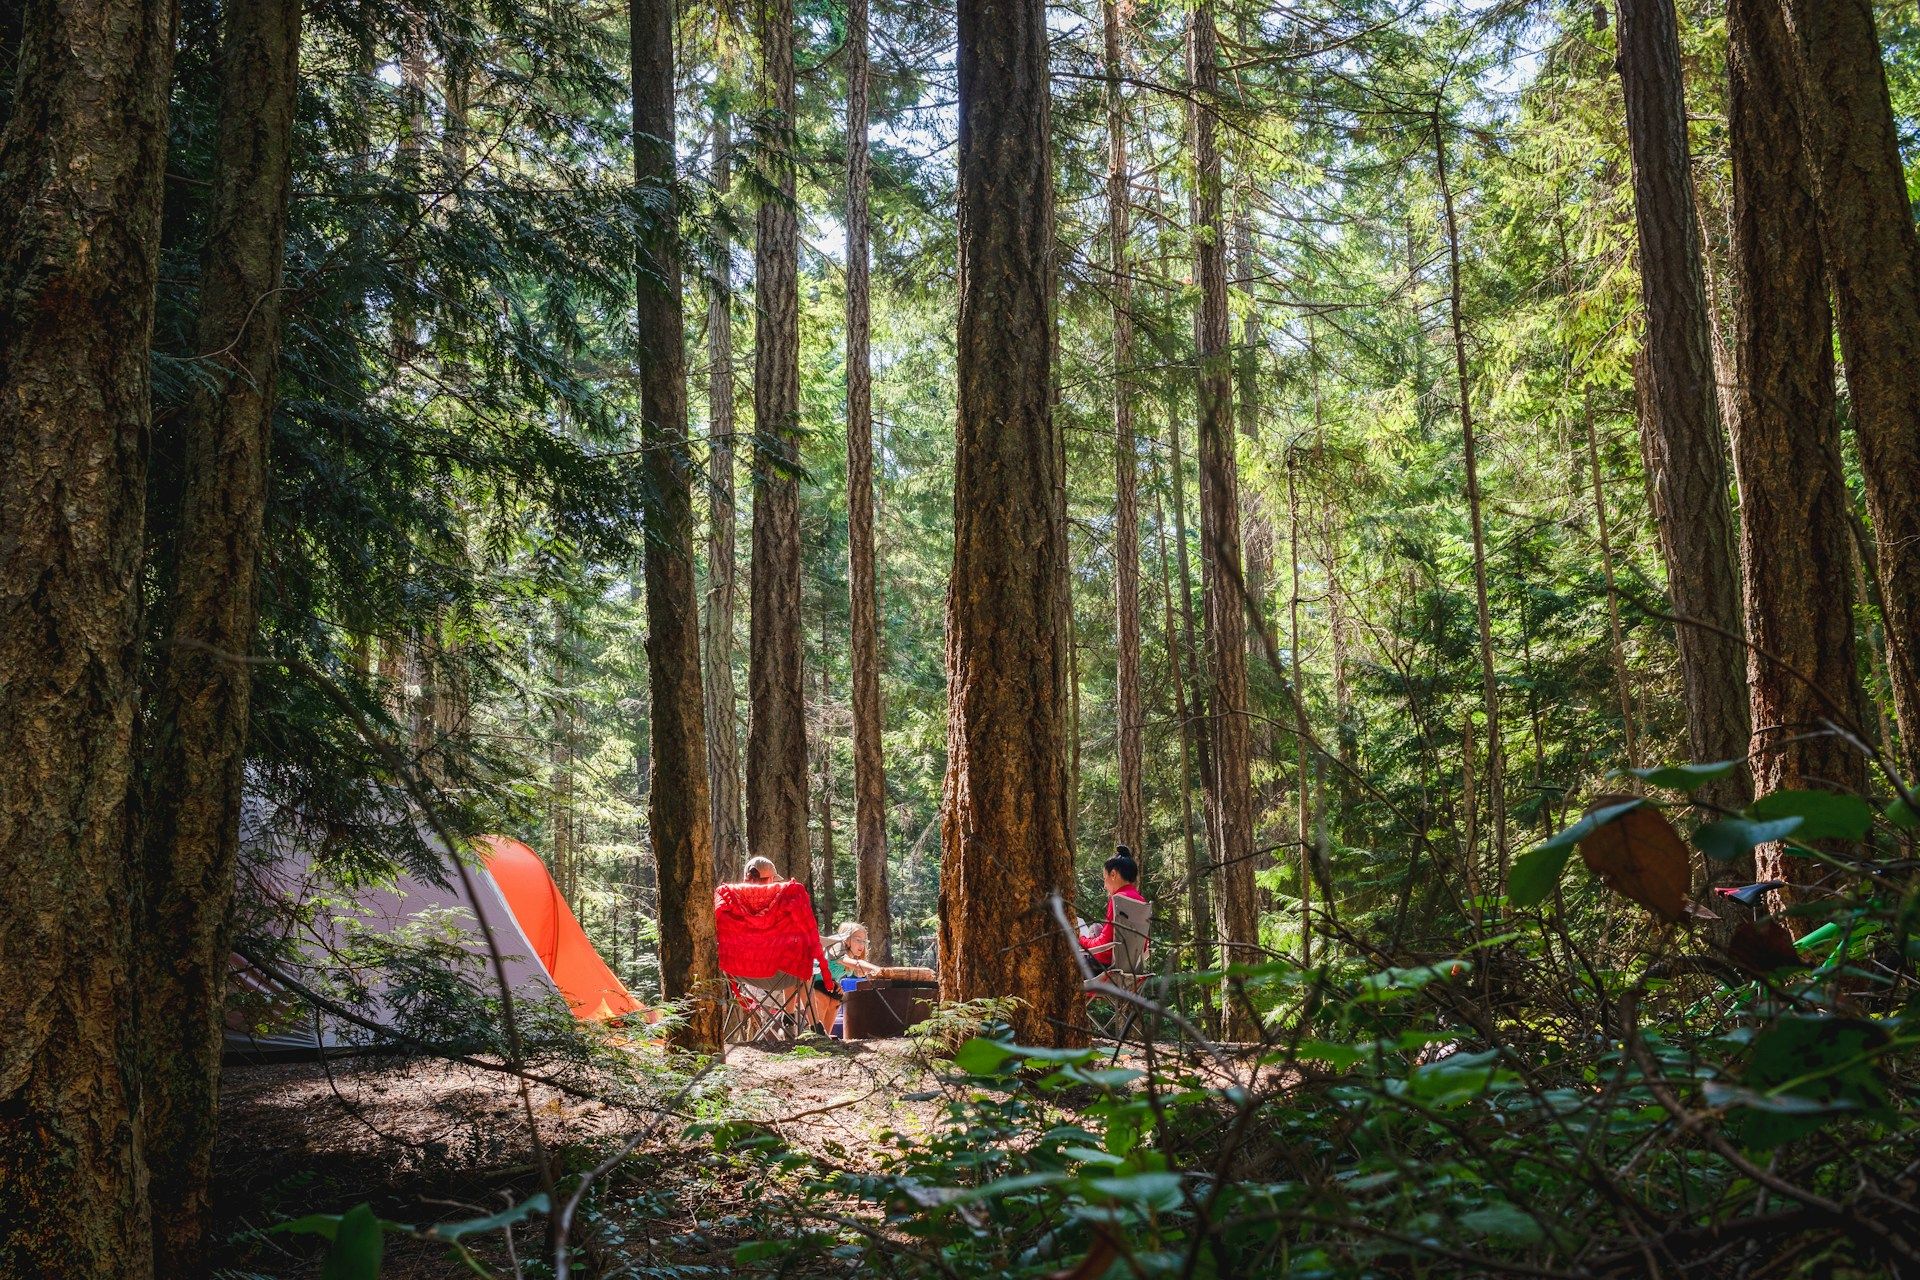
[1119, 873]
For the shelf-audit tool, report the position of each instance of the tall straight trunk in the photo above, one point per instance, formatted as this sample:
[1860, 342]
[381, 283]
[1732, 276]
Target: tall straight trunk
[1193, 711]
[1256, 527]
[1006, 822]
[869, 764]
[197, 720]
[723, 738]
[1794, 501]
[1304, 805]
[826, 901]
[678, 818]
[1469, 449]
[777, 727]
[1199, 918]
[1681, 432]
[1130, 720]
[1224, 588]
[1853, 151]
[1615, 647]
[82, 159]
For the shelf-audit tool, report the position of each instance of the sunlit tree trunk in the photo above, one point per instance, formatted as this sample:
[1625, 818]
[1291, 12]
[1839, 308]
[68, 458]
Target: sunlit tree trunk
[82, 161]
[869, 764]
[197, 719]
[723, 738]
[777, 725]
[1681, 430]
[678, 818]
[826, 901]
[1794, 500]
[1860, 183]
[1489, 680]
[1224, 588]
[1007, 824]
[1129, 720]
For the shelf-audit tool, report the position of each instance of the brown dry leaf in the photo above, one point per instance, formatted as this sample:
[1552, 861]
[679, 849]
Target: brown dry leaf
[1763, 947]
[1099, 1258]
[1640, 855]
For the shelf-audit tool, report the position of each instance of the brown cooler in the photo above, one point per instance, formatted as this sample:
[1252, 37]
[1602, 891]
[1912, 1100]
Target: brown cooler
[883, 1008]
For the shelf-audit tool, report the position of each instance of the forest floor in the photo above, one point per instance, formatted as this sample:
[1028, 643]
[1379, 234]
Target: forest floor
[427, 1141]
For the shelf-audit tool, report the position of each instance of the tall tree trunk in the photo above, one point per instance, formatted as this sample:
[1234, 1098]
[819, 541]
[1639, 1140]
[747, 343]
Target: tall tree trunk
[1130, 720]
[1193, 710]
[1223, 585]
[723, 739]
[826, 901]
[82, 160]
[1681, 434]
[197, 721]
[1256, 528]
[777, 727]
[1489, 681]
[678, 818]
[1861, 186]
[1199, 917]
[1007, 826]
[1794, 500]
[869, 764]
[1616, 647]
[1304, 805]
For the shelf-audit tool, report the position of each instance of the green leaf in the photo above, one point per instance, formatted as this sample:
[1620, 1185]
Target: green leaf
[1503, 1221]
[1801, 1068]
[1732, 838]
[1589, 824]
[1161, 1190]
[1391, 984]
[357, 1245]
[1686, 777]
[1826, 815]
[1900, 814]
[1531, 879]
[981, 1057]
[505, 1218]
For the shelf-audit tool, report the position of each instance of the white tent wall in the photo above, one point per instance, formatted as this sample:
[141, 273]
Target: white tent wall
[285, 898]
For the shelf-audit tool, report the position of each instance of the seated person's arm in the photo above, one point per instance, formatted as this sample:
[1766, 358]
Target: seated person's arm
[853, 964]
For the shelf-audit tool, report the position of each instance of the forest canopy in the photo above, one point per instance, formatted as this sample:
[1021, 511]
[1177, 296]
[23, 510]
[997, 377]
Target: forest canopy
[1436, 484]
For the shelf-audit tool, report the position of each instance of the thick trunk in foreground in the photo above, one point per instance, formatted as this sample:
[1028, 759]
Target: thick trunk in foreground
[1793, 512]
[723, 738]
[677, 816]
[1129, 719]
[869, 766]
[81, 165]
[1006, 824]
[1223, 584]
[777, 727]
[1861, 185]
[1681, 431]
[197, 723]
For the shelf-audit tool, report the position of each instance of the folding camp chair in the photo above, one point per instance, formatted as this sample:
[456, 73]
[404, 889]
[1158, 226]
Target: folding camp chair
[769, 951]
[1132, 925]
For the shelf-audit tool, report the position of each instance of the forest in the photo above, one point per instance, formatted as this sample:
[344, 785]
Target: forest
[1330, 587]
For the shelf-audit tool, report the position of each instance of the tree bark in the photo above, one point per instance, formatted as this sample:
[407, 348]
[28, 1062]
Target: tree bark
[826, 901]
[197, 721]
[82, 160]
[777, 727]
[1860, 183]
[869, 764]
[1130, 720]
[678, 817]
[1793, 512]
[1199, 917]
[1223, 584]
[1489, 680]
[1006, 821]
[1681, 434]
[723, 739]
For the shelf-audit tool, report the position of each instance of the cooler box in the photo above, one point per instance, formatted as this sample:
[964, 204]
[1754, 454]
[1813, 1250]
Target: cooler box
[883, 1008]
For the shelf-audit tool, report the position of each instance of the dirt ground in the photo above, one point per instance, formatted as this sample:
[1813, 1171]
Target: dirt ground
[427, 1141]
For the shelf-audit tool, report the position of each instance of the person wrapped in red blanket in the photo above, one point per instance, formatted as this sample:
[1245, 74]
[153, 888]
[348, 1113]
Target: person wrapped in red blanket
[768, 937]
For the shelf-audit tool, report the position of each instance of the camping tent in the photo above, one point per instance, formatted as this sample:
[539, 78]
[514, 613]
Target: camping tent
[546, 957]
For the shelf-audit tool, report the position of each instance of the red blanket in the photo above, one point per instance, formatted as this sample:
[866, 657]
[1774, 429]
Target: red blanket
[765, 930]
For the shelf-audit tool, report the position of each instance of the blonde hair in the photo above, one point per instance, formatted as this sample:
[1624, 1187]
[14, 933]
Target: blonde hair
[844, 935]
